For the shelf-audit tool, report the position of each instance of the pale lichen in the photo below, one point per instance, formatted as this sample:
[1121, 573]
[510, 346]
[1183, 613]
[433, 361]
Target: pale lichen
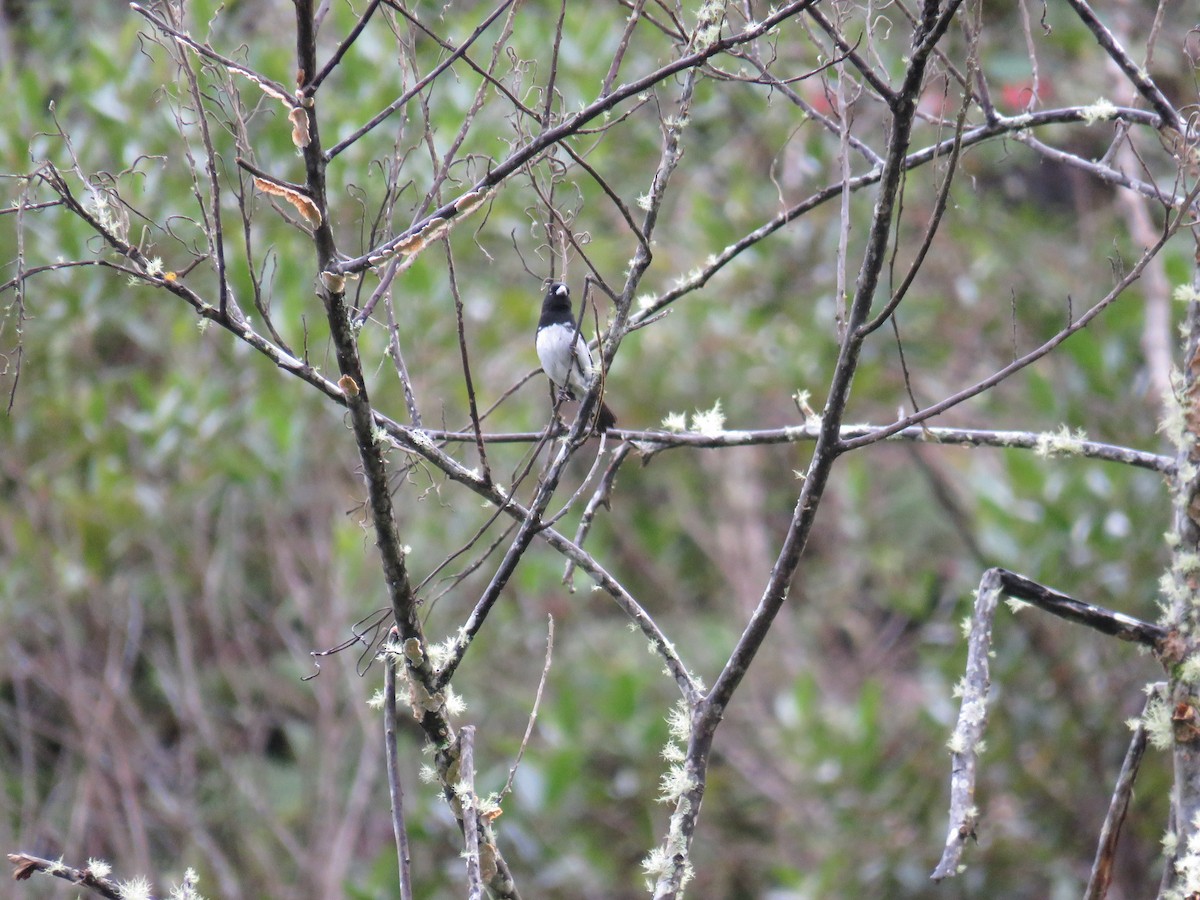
[1060, 443]
[1100, 111]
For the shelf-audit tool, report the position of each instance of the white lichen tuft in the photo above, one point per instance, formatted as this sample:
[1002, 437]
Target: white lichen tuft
[135, 889]
[1156, 719]
[1016, 605]
[99, 868]
[957, 743]
[675, 422]
[708, 24]
[112, 215]
[422, 440]
[966, 625]
[661, 862]
[186, 890]
[679, 722]
[1186, 293]
[656, 864]
[675, 782]
[1189, 671]
[1186, 563]
[455, 704]
[391, 649]
[709, 422]
[1187, 867]
[1100, 111]
[443, 651]
[1060, 443]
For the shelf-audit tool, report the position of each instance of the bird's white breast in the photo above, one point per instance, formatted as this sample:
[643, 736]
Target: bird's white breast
[564, 365]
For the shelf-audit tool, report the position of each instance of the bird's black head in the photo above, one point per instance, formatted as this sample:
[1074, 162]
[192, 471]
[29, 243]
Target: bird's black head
[558, 301]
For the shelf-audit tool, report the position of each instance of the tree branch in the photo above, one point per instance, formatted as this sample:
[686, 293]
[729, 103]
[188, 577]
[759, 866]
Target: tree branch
[972, 720]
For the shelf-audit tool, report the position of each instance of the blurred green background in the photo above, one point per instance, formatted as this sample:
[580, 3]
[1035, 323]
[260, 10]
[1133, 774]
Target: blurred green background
[181, 523]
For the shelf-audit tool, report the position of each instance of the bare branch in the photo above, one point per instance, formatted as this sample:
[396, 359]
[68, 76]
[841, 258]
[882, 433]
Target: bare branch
[599, 498]
[466, 364]
[27, 865]
[464, 793]
[1035, 354]
[416, 89]
[972, 720]
[964, 744]
[1110, 834]
[1044, 443]
[979, 134]
[271, 88]
[537, 702]
[1167, 113]
[877, 82]
[518, 158]
[395, 788]
[347, 42]
[1105, 621]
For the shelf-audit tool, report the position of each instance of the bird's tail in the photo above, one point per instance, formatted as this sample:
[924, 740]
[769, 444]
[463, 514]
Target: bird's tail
[605, 418]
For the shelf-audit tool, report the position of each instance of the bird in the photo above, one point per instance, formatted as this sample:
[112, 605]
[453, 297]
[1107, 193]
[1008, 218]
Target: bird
[564, 353]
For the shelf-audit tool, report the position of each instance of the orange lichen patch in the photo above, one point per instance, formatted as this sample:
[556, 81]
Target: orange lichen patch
[299, 120]
[348, 385]
[304, 205]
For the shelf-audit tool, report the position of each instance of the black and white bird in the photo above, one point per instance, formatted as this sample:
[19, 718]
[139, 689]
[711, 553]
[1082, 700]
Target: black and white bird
[564, 353]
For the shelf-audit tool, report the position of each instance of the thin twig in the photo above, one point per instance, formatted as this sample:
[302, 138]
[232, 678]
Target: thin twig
[273, 88]
[1110, 834]
[465, 358]
[27, 865]
[464, 792]
[1038, 352]
[311, 88]
[869, 75]
[972, 720]
[622, 46]
[587, 479]
[1139, 76]
[935, 217]
[403, 99]
[214, 230]
[395, 788]
[537, 702]
[598, 499]
[517, 160]
[397, 355]
[1002, 126]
